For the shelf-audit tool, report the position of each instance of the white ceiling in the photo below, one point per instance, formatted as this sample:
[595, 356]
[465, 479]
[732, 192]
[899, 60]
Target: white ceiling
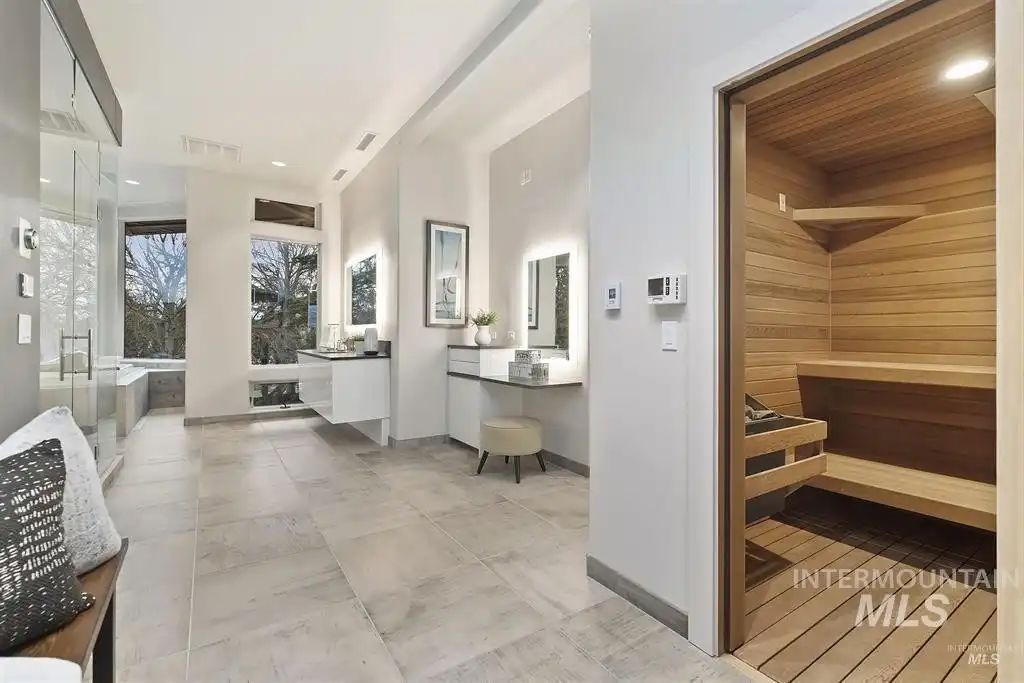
[537, 70]
[292, 80]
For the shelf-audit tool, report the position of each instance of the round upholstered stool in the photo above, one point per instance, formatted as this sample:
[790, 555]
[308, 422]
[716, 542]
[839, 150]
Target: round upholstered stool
[512, 437]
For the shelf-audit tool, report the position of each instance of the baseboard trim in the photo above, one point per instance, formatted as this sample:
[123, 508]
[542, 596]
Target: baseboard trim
[417, 442]
[250, 417]
[638, 596]
[567, 464]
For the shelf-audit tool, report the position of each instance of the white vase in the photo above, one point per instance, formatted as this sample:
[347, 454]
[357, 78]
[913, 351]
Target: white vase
[483, 335]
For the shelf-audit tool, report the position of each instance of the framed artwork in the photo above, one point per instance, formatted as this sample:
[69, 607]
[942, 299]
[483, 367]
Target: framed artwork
[532, 294]
[447, 274]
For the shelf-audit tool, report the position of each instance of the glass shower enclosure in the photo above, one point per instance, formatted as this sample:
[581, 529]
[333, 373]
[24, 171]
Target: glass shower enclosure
[78, 238]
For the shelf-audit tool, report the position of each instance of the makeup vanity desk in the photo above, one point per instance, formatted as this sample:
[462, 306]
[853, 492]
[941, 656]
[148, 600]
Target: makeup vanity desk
[479, 387]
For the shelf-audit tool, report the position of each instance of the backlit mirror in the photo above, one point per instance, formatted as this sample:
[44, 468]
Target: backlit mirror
[362, 284]
[547, 306]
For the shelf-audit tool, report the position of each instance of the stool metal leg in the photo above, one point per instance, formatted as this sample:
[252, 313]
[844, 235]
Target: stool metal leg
[483, 459]
[517, 468]
[540, 459]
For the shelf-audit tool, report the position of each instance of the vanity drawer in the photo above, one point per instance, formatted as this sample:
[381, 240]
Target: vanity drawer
[464, 367]
[464, 355]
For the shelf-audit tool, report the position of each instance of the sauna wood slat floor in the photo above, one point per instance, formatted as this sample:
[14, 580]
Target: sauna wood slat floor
[809, 633]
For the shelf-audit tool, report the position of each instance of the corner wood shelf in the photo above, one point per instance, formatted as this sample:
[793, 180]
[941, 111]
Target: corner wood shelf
[970, 376]
[839, 217]
[958, 500]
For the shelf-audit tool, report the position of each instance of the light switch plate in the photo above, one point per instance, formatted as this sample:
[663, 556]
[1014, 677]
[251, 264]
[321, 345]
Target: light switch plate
[26, 285]
[24, 328]
[669, 335]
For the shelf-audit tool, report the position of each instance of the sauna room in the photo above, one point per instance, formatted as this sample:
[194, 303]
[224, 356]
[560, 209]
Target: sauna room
[863, 317]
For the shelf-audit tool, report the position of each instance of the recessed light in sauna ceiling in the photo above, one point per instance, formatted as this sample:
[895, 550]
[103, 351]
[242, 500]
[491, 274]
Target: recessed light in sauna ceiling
[966, 69]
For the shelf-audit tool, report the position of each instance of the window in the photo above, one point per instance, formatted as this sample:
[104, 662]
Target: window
[274, 394]
[285, 278]
[273, 211]
[363, 291]
[154, 289]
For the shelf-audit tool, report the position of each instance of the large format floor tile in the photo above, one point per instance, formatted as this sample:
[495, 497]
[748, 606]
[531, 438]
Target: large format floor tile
[294, 550]
[384, 561]
[449, 618]
[224, 546]
[337, 643]
[236, 600]
[492, 529]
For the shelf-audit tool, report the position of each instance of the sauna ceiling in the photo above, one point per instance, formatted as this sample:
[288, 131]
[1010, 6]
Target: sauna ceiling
[890, 102]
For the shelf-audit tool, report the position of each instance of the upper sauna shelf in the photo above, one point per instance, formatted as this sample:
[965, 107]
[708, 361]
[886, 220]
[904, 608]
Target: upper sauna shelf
[839, 217]
[972, 376]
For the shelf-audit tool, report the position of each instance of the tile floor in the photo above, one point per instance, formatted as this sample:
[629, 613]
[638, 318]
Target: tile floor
[293, 550]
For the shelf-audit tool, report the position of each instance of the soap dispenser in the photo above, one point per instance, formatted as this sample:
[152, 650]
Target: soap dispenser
[370, 341]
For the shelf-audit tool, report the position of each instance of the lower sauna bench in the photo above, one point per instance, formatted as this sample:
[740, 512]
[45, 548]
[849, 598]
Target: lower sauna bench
[951, 498]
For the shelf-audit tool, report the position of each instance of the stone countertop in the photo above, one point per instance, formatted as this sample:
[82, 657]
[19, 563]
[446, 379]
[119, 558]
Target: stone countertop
[340, 355]
[482, 348]
[551, 383]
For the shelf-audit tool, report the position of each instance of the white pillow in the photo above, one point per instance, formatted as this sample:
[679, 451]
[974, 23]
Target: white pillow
[89, 531]
[38, 670]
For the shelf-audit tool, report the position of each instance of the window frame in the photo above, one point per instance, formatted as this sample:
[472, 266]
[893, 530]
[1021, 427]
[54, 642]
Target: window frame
[319, 244]
[124, 226]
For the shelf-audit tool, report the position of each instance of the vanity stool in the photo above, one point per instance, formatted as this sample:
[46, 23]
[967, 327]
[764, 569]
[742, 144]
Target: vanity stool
[512, 437]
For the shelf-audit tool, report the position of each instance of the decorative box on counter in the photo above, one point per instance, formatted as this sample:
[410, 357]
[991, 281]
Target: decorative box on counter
[527, 370]
[530, 356]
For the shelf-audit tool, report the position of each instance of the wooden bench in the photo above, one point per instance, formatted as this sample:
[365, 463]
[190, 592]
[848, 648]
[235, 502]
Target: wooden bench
[92, 631]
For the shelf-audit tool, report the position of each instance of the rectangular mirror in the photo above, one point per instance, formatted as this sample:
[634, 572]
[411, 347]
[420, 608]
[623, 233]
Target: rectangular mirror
[362, 287]
[547, 306]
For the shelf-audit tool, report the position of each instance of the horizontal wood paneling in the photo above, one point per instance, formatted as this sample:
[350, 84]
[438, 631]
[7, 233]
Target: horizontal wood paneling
[787, 277]
[888, 102]
[925, 288]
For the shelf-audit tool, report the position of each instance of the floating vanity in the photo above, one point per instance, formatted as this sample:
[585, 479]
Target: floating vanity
[479, 387]
[348, 388]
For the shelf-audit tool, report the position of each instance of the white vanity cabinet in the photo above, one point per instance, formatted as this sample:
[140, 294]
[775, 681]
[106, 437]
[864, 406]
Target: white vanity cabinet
[468, 401]
[348, 388]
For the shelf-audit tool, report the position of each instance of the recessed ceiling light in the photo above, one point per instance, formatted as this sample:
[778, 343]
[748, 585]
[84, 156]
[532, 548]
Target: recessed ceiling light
[966, 69]
[44, 180]
[133, 182]
[278, 163]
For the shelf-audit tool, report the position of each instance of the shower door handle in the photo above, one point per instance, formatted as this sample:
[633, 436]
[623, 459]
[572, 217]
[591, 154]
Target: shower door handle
[88, 346]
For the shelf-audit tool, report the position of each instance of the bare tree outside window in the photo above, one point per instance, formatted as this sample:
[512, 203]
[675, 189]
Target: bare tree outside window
[285, 278]
[155, 261]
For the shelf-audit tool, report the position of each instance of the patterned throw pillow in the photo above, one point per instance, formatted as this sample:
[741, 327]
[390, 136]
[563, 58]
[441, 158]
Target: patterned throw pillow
[38, 589]
[89, 532]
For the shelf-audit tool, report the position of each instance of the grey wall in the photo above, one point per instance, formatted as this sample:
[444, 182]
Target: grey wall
[19, 197]
[546, 217]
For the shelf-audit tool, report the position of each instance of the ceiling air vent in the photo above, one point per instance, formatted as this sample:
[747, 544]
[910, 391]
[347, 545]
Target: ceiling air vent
[62, 122]
[211, 149]
[365, 141]
[339, 174]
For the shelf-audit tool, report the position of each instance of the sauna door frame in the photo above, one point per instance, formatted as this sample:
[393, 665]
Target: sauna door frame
[732, 100]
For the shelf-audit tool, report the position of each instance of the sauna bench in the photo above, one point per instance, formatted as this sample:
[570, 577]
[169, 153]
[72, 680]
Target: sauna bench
[971, 376]
[958, 500]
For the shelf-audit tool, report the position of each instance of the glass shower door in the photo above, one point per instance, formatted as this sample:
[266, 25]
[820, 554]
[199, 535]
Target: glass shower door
[77, 248]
